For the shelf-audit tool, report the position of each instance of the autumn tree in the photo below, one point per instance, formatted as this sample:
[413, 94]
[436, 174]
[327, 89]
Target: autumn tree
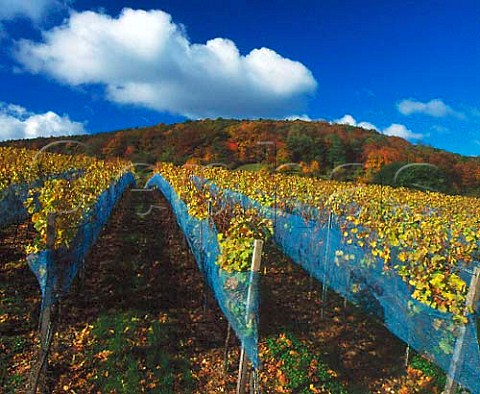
[335, 151]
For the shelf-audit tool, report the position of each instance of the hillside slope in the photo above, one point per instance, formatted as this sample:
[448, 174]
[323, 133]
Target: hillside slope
[319, 146]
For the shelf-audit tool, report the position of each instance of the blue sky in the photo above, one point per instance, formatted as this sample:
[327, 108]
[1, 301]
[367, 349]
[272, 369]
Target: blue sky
[407, 68]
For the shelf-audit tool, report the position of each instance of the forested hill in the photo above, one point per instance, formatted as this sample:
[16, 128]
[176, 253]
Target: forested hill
[319, 146]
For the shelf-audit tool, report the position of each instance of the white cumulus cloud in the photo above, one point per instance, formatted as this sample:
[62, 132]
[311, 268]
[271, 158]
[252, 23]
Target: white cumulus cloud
[18, 123]
[399, 130]
[346, 119]
[32, 9]
[436, 108]
[350, 120]
[144, 58]
[395, 129]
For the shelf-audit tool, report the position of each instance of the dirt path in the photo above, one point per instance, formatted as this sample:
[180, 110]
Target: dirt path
[138, 322]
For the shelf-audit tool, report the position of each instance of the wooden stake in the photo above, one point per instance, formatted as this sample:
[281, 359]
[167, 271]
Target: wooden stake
[325, 267]
[472, 297]
[255, 268]
[242, 372]
[407, 355]
[45, 323]
[227, 341]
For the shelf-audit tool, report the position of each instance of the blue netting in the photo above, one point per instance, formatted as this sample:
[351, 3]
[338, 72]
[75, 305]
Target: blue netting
[319, 248]
[230, 288]
[55, 270]
[12, 209]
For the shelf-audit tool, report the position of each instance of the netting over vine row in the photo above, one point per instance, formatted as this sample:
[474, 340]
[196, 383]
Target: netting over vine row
[319, 248]
[55, 270]
[12, 209]
[230, 288]
[11, 204]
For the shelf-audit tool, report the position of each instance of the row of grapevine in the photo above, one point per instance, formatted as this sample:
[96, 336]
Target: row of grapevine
[221, 238]
[69, 199]
[72, 213]
[427, 237]
[22, 169]
[237, 228]
[392, 250]
[78, 191]
[22, 166]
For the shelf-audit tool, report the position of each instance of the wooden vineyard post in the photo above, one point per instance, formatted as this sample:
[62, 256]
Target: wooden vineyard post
[325, 267]
[227, 341]
[472, 298]
[45, 323]
[255, 268]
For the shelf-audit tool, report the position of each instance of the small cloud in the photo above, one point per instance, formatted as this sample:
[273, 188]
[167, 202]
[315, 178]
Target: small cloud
[395, 129]
[18, 123]
[346, 119]
[350, 120]
[13, 109]
[303, 117]
[436, 108]
[367, 126]
[440, 129]
[399, 130]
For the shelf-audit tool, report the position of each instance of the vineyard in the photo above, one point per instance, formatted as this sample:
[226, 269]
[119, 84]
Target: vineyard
[394, 250]
[324, 283]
